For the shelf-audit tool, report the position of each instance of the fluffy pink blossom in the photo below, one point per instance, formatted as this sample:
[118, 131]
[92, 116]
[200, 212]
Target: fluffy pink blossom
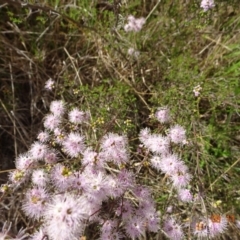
[134, 227]
[62, 177]
[217, 226]
[64, 216]
[172, 229]
[148, 212]
[95, 185]
[34, 203]
[18, 177]
[134, 24]
[169, 164]
[109, 230]
[158, 144]
[125, 209]
[181, 177]
[210, 227]
[177, 134]
[77, 117]
[49, 84]
[24, 161]
[40, 177]
[51, 156]
[51, 122]
[90, 157]
[185, 195]
[43, 137]
[114, 148]
[38, 150]
[142, 193]
[57, 108]
[144, 135]
[125, 179]
[134, 53]
[207, 4]
[73, 144]
[196, 90]
[156, 161]
[59, 135]
[163, 115]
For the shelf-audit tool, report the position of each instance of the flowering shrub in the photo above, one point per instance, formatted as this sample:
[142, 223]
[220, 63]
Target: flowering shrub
[69, 185]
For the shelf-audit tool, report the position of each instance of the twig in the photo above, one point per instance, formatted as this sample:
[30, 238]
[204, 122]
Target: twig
[14, 110]
[224, 173]
[71, 59]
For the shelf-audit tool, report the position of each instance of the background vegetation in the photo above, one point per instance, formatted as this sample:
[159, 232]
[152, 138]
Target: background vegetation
[82, 46]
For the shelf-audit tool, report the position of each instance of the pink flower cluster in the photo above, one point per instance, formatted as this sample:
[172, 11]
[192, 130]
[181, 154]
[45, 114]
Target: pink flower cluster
[134, 24]
[67, 183]
[207, 4]
[165, 161]
[70, 185]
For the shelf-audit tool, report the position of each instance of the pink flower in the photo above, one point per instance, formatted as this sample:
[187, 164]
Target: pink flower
[157, 144]
[51, 122]
[62, 177]
[141, 192]
[156, 162]
[217, 225]
[134, 227]
[18, 176]
[169, 163]
[163, 115]
[51, 156]
[34, 204]
[125, 209]
[59, 135]
[177, 134]
[38, 150]
[114, 148]
[40, 177]
[144, 135]
[24, 161]
[134, 24]
[90, 157]
[77, 117]
[148, 212]
[210, 227]
[196, 90]
[49, 85]
[57, 108]
[73, 144]
[125, 179]
[173, 230]
[64, 216]
[95, 185]
[185, 195]
[180, 178]
[134, 53]
[207, 4]
[108, 230]
[43, 137]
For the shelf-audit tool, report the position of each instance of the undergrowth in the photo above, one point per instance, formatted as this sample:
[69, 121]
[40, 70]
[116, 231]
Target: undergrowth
[83, 47]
